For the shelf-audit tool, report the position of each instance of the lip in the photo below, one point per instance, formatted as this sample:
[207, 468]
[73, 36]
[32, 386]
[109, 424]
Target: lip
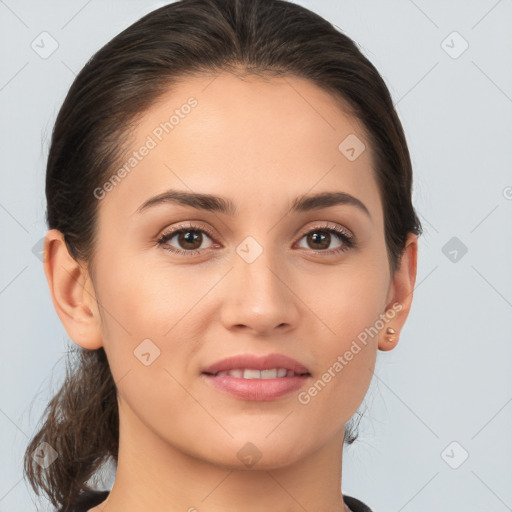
[256, 389]
[254, 362]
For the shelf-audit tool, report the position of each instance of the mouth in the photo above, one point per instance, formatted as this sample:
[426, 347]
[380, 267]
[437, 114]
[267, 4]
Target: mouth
[261, 378]
[249, 373]
[253, 366]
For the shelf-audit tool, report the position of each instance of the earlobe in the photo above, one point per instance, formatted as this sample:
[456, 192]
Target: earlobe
[401, 292]
[72, 292]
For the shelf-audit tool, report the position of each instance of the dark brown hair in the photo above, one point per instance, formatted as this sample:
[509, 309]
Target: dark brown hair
[116, 86]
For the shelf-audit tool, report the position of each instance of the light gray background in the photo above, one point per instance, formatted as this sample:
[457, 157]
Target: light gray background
[449, 379]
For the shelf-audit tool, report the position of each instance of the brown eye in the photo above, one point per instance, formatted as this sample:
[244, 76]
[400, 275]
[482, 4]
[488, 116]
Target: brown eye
[188, 239]
[320, 239]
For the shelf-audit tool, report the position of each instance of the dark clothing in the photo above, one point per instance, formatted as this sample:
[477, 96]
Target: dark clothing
[356, 505]
[90, 499]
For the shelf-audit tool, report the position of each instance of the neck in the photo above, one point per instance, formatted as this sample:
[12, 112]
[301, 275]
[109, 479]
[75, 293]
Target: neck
[154, 475]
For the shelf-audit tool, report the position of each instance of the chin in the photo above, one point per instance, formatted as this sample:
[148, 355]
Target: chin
[255, 452]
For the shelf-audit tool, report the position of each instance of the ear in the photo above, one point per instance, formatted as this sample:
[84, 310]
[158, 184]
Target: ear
[400, 294]
[72, 292]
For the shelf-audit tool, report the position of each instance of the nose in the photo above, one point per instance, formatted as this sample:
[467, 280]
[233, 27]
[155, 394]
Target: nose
[258, 297]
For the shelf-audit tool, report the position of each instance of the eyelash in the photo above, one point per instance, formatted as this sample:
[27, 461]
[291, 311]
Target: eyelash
[348, 240]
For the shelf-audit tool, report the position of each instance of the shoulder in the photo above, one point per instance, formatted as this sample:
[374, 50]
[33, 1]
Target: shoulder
[86, 500]
[356, 505]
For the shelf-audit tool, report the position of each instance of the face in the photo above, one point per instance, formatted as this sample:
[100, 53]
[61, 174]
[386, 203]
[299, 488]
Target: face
[259, 278]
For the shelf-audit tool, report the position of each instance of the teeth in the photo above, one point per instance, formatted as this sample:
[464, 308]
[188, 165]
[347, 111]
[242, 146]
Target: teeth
[252, 374]
[248, 373]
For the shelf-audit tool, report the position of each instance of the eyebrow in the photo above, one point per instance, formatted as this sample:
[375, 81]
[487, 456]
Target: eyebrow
[212, 203]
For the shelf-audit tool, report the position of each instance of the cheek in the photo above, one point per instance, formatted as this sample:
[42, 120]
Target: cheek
[150, 314]
[347, 300]
[343, 375]
[147, 300]
[349, 311]
[145, 326]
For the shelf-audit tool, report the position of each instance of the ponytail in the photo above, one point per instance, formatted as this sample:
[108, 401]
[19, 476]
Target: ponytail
[81, 427]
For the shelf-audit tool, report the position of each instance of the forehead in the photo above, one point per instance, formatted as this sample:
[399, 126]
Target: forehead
[263, 140]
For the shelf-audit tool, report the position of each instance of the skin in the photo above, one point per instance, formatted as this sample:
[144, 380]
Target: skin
[261, 143]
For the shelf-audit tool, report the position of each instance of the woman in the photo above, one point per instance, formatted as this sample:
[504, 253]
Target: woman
[231, 240]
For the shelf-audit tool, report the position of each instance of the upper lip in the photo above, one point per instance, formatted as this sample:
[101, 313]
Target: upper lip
[255, 362]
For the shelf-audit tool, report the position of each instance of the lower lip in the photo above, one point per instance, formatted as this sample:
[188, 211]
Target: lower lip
[256, 389]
